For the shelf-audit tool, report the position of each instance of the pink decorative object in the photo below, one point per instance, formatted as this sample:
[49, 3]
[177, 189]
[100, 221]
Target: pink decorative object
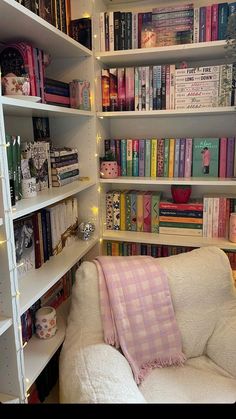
[232, 227]
[181, 193]
[13, 85]
[109, 169]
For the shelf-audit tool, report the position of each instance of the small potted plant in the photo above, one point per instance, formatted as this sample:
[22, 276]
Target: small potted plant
[108, 166]
[181, 193]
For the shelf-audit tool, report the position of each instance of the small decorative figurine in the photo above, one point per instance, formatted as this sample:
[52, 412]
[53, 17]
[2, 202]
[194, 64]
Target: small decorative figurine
[85, 230]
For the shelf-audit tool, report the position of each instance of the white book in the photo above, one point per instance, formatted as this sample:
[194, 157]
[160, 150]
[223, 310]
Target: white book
[136, 87]
[102, 31]
[209, 217]
[196, 78]
[215, 216]
[111, 31]
[188, 157]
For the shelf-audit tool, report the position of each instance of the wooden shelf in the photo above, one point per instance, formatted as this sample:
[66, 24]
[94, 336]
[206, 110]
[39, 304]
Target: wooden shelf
[132, 180]
[20, 107]
[5, 323]
[48, 197]
[166, 113]
[39, 281]
[38, 352]
[19, 23]
[167, 239]
[168, 54]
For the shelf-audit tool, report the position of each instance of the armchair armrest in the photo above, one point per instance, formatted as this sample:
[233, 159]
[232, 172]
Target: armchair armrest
[221, 346]
[96, 373]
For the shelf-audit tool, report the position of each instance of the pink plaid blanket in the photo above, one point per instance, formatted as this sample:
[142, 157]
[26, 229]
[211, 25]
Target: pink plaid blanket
[137, 312]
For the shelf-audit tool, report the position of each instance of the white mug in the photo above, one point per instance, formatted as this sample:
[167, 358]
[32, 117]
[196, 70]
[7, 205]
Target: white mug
[29, 188]
[45, 322]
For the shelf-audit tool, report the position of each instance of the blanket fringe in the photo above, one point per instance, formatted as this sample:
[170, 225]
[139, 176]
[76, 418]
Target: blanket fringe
[177, 360]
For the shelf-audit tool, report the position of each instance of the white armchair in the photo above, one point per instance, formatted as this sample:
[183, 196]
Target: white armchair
[204, 300]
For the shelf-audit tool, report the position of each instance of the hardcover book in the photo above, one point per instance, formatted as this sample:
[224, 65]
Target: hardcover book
[205, 157]
[24, 245]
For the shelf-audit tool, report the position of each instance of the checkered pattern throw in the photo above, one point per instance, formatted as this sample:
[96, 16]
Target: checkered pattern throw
[137, 312]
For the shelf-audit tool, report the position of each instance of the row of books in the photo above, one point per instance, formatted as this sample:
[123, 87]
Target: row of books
[163, 26]
[47, 379]
[133, 210]
[58, 14]
[174, 157]
[21, 59]
[75, 94]
[53, 298]
[44, 233]
[113, 248]
[51, 167]
[216, 213]
[166, 87]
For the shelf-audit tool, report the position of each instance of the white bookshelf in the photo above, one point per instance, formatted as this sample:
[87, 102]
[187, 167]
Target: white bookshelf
[166, 55]
[36, 282]
[132, 180]
[20, 107]
[1, 221]
[26, 25]
[68, 127]
[48, 197]
[5, 323]
[7, 398]
[167, 239]
[206, 122]
[38, 352]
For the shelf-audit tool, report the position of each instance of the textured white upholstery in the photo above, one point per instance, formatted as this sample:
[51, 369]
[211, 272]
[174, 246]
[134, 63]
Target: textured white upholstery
[204, 301]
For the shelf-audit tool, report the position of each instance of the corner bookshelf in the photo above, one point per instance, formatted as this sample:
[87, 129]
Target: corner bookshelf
[204, 122]
[20, 365]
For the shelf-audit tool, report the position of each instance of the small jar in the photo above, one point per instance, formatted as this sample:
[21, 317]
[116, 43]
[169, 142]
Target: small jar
[232, 227]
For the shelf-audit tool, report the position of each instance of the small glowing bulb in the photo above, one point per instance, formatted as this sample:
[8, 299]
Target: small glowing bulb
[24, 347]
[98, 58]
[95, 36]
[96, 154]
[18, 293]
[19, 327]
[100, 240]
[99, 189]
[95, 210]
[27, 380]
[2, 241]
[101, 117]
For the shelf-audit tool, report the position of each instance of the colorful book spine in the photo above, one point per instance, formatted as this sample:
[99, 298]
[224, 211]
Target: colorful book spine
[129, 88]
[135, 157]
[223, 157]
[166, 157]
[153, 157]
[121, 89]
[129, 143]
[160, 157]
[230, 157]
[133, 215]
[123, 146]
[122, 210]
[147, 200]
[109, 211]
[155, 201]
[171, 157]
[147, 157]
[128, 223]
[141, 158]
[188, 157]
[139, 213]
[116, 210]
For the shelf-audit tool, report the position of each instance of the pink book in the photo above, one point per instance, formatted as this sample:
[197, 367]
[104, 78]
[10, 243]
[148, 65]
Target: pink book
[222, 217]
[147, 212]
[208, 23]
[188, 157]
[57, 99]
[134, 249]
[214, 22]
[129, 89]
[223, 157]
[121, 89]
